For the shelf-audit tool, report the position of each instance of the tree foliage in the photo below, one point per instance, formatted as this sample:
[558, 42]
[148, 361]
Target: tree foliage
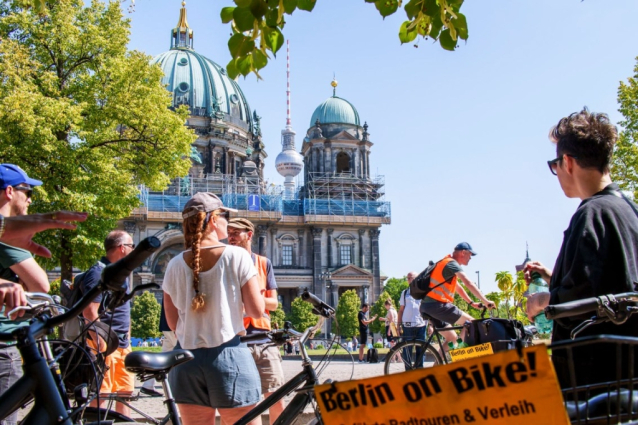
[257, 26]
[347, 312]
[301, 315]
[85, 115]
[625, 160]
[145, 316]
[277, 317]
[394, 287]
[378, 309]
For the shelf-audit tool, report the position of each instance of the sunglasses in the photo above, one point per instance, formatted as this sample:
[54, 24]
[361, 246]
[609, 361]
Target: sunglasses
[132, 245]
[553, 164]
[225, 214]
[26, 189]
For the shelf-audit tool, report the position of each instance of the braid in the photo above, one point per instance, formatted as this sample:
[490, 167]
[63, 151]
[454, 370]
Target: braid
[193, 233]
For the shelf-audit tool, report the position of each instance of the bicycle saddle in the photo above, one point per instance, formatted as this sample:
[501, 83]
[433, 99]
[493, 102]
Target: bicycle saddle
[605, 404]
[143, 361]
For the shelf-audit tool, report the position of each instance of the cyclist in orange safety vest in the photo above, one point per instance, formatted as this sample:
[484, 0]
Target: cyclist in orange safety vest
[439, 303]
[267, 356]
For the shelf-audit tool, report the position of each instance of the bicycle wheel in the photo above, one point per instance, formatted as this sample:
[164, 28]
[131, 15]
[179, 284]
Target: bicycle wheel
[410, 355]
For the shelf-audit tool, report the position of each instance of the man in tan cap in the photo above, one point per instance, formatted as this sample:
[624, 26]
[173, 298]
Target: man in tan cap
[266, 355]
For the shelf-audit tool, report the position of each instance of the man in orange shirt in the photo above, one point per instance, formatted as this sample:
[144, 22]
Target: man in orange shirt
[267, 356]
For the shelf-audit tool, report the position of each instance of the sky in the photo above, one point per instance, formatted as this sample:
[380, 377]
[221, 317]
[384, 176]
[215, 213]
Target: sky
[461, 137]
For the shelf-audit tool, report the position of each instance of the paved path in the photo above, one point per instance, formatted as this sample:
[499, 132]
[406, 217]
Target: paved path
[337, 370]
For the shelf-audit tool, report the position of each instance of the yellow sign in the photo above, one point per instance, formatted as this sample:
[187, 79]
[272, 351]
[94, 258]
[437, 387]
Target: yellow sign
[498, 389]
[471, 352]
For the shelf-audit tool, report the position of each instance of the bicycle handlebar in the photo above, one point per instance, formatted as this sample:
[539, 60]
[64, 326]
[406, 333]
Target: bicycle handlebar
[320, 308]
[113, 278]
[586, 305]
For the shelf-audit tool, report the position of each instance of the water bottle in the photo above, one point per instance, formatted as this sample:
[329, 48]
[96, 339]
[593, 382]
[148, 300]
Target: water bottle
[460, 343]
[543, 324]
[451, 345]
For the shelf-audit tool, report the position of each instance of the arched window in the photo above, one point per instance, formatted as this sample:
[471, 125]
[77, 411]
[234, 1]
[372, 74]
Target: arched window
[161, 261]
[343, 162]
[288, 250]
[345, 249]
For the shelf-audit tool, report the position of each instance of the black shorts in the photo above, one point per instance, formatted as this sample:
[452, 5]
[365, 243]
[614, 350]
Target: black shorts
[363, 337]
[440, 314]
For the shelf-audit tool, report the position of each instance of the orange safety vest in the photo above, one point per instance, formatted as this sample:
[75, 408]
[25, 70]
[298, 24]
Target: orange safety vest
[261, 264]
[443, 293]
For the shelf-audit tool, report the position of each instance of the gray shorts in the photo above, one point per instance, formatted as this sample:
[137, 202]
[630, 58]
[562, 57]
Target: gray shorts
[268, 360]
[440, 314]
[220, 377]
[10, 372]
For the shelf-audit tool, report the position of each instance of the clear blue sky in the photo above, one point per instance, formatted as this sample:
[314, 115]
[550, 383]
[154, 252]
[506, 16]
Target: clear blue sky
[461, 137]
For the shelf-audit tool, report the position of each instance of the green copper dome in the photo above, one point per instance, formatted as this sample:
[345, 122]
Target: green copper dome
[335, 110]
[200, 83]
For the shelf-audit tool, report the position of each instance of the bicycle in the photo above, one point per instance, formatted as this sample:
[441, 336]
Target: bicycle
[303, 383]
[614, 401]
[41, 381]
[414, 353]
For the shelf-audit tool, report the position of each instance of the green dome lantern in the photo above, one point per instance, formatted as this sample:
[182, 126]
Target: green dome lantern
[335, 110]
[200, 83]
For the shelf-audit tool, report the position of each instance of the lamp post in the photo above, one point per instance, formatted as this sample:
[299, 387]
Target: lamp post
[325, 277]
[478, 278]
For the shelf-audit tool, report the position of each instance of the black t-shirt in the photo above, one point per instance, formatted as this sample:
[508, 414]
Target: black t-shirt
[362, 327]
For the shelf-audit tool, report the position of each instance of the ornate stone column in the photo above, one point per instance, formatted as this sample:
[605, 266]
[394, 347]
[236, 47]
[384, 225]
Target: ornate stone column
[335, 294]
[330, 257]
[368, 164]
[362, 254]
[301, 262]
[273, 254]
[316, 257]
[328, 165]
[261, 233]
[376, 272]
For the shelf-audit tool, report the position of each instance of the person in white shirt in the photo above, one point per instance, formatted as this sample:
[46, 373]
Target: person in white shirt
[206, 291]
[412, 323]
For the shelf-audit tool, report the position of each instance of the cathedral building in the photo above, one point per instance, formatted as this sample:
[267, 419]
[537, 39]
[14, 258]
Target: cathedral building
[324, 235]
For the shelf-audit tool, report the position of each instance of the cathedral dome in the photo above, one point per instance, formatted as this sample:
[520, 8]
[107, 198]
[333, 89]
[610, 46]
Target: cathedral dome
[200, 83]
[335, 110]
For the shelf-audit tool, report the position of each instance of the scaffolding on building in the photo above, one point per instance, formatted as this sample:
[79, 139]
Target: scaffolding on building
[325, 198]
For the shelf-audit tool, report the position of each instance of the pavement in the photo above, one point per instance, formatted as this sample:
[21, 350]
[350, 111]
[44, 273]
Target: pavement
[337, 370]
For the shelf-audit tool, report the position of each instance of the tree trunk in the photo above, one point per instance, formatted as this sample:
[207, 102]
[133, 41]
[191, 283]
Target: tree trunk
[66, 259]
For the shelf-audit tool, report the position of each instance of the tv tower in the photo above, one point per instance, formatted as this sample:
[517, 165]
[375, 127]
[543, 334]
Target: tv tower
[289, 162]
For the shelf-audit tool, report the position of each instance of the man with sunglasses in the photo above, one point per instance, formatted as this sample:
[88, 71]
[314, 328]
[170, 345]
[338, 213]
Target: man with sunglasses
[118, 244]
[599, 254]
[16, 265]
[266, 355]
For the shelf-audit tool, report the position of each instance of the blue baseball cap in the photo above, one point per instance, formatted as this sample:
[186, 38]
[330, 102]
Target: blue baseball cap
[12, 175]
[464, 246]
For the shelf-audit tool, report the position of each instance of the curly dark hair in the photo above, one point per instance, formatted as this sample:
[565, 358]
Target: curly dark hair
[587, 136]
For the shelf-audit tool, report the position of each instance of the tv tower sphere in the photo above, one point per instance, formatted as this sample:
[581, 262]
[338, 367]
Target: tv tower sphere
[289, 162]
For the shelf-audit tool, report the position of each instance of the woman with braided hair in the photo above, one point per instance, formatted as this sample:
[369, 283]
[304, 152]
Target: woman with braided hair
[207, 290]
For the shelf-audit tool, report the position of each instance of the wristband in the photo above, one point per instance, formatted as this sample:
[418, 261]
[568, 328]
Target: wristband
[1, 225]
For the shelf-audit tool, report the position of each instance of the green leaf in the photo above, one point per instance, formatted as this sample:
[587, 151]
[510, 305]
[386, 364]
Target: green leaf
[274, 39]
[412, 8]
[272, 18]
[244, 19]
[231, 69]
[307, 5]
[240, 45]
[243, 3]
[431, 8]
[437, 26]
[258, 8]
[387, 7]
[260, 59]
[290, 6]
[460, 24]
[406, 35]
[446, 40]
[244, 65]
[227, 14]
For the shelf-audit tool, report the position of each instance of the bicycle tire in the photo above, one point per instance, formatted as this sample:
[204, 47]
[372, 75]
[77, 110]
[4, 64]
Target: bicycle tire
[397, 360]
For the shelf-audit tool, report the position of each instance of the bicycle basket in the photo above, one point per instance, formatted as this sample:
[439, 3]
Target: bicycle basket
[597, 375]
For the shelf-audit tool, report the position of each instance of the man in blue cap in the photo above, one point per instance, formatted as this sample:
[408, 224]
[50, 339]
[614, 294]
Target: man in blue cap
[438, 305]
[16, 265]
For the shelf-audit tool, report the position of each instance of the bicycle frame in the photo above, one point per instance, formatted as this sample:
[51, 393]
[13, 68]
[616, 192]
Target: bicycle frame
[301, 399]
